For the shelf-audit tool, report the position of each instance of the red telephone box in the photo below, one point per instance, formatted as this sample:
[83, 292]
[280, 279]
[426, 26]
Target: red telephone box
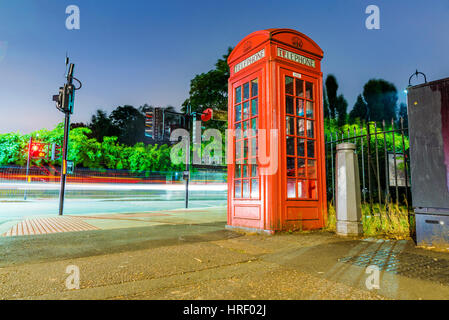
[275, 89]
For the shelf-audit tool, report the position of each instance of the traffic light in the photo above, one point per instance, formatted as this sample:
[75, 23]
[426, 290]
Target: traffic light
[37, 150]
[58, 99]
[70, 97]
[65, 98]
[207, 115]
[56, 153]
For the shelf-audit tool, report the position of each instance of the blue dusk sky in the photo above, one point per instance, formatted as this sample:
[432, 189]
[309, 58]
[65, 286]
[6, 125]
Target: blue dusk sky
[135, 52]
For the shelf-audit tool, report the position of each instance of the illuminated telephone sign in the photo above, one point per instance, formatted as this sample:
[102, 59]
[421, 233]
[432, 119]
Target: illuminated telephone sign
[276, 166]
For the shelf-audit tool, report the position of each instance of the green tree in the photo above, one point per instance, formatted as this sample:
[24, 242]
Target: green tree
[381, 98]
[101, 126]
[12, 148]
[325, 104]
[359, 111]
[77, 125]
[84, 151]
[210, 89]
[88, 152]
[341, 107]
[337, 104]
[131, 123]
[331, 90]
[403, 114]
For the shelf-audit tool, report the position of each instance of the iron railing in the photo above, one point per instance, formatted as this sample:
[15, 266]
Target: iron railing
[383, 161]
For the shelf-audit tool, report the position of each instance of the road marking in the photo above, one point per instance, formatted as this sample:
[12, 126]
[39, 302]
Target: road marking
[49, 225]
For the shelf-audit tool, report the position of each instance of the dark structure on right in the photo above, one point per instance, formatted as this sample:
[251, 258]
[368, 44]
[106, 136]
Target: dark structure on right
[428, 112]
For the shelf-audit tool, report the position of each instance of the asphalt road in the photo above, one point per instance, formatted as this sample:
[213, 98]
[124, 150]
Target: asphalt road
[19, 210]
[12, 212]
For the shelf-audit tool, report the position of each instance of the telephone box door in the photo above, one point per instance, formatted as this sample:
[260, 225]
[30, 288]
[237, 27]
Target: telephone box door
[245, 194]
[301, 178]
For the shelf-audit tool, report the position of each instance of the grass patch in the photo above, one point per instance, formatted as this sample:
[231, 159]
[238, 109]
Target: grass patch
[331, 223]
[386, 221]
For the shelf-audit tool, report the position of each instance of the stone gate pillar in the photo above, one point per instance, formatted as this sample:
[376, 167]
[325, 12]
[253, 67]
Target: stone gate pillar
[349, 211]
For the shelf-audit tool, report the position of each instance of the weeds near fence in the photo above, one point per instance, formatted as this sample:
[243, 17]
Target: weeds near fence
[331, 223]
[387, 221]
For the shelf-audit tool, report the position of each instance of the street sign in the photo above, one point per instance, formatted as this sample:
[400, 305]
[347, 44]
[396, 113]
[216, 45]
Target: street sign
[396, 174]
[217, 115]
[70, 169]
[220, 115]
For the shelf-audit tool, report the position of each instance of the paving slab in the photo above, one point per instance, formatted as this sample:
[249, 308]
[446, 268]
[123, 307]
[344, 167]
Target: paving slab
[74, 223]
[202, 260]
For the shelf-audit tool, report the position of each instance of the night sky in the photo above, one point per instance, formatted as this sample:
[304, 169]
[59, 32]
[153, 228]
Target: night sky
[136, 52]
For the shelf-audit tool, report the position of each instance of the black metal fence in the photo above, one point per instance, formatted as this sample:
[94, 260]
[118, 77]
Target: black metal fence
[383, 155]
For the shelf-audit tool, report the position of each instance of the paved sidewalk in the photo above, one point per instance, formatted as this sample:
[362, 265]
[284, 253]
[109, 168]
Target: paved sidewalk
[189, 255]
[40, 225]
[48, 225]
[13, 212]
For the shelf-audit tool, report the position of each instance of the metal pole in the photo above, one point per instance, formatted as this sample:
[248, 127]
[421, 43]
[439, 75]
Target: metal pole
[363, 165]
[64, 162]
[332, 170]
[387, 178]
[405, 168]
[28, 166]
[187, 175]
[326, 163]
[394, 160]
[187, 181]
[68, 97]
[370, 189]
[379, 189]
[163, 124]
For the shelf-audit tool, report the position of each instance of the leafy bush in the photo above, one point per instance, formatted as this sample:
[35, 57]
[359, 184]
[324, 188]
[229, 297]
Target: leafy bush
[88, 152]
